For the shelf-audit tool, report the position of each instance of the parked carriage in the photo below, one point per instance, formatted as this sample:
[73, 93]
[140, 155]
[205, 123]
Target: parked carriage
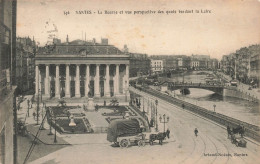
[124, 132]
[238, 140]
[237, 136]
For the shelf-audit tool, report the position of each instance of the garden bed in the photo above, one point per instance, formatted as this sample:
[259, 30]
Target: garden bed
[78, 129]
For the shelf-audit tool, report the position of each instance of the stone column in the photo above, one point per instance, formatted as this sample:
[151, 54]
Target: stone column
[57, 82]
[67, 84]
[106, 86]
[40, 82]
[127, 76]
[36, 79]
[97, 91]
[116, 82]
[47, 81]
[87, 81]
[77, 84]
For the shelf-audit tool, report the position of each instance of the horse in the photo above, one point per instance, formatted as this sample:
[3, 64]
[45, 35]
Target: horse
[159, 136]
[240, 130]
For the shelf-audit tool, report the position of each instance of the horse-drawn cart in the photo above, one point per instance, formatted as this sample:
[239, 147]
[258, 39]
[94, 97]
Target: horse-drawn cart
[128, 140]
[237, 134]
[238, 140]
[124, 132]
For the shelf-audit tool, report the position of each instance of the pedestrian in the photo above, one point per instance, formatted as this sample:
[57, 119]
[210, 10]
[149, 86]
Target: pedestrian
[34, 114]
[28, 103]
[228, 131]
[18, 106]
[183, 106]
[168, 133]
[196, 132]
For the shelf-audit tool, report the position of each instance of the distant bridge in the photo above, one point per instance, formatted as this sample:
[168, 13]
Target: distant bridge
[214, 88]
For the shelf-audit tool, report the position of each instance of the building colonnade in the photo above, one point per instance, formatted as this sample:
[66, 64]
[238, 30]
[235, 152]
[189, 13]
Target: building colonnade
[81, 80]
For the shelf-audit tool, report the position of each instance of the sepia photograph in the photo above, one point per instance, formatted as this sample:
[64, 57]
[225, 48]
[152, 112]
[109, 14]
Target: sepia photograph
[129, 81]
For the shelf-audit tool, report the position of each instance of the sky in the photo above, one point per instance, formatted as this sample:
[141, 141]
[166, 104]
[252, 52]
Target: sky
[218, 28]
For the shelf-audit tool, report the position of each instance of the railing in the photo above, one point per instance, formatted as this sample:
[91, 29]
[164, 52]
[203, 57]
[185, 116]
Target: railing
[251, 131]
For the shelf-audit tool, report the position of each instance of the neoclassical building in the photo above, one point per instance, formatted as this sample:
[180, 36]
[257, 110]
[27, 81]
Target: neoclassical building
[81, 69]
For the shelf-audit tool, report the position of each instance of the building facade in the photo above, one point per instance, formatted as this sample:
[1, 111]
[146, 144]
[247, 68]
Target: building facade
[25, 53]
[82, 69]
[243, 64]
[8, 148]
[156, 65]
[139, 64]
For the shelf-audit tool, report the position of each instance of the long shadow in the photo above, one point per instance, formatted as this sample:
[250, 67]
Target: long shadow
[40, 149]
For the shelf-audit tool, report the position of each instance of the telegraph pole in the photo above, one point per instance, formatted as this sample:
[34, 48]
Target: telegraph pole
[38, 99]
[156, 103]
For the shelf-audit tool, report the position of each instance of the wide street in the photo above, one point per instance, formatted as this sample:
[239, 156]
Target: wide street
[182, 147]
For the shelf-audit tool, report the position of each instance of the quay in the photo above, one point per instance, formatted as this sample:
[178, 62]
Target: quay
[251, 131]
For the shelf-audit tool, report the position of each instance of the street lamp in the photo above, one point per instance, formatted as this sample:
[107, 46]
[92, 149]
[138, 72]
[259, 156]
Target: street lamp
[156, 103]
[50, 133]
[28, 103]
[42, 113]
[143, 107]
[164, 121]
[55, 139]
[37, 115]
[125, 91]
[214, 107]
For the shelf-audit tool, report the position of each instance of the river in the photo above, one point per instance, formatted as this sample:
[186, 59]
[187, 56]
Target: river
[233, 107]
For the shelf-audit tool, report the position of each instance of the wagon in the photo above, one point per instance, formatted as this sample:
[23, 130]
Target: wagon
[124, 132]
[238, 140]
[128, 140]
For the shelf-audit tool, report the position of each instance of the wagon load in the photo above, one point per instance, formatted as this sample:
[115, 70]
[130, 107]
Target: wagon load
[122, 127]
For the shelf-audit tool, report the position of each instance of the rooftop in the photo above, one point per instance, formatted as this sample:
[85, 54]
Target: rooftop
[78, 47]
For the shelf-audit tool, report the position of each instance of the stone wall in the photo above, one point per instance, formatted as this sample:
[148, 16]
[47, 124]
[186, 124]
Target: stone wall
[239, 94]
[6, 129]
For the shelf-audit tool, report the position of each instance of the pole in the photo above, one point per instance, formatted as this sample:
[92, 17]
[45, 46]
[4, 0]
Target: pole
[156, 102]
[50, 133]
[235, 68]
[28, 108]
[55, 139]
[38, 108]
[164, 123]
[143, 106]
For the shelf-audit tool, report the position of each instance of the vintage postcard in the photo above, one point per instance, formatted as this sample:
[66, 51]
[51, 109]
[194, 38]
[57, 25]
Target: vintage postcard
[130, 81]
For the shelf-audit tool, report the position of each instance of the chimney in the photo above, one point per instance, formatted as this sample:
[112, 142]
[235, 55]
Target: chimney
[67, 39]
[94, 41]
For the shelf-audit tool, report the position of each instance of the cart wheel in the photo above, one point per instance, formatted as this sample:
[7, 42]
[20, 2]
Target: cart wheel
[124, 143]
[141, 143]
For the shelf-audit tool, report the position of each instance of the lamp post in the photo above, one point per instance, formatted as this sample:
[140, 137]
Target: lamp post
[37, 112]
[50, 133]
[41, 90]
[156, 103]
[164, 121]
[214, 106]
[42, 113]
[143, 107]
[125, 91]
[55, 138]
[28, 104]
